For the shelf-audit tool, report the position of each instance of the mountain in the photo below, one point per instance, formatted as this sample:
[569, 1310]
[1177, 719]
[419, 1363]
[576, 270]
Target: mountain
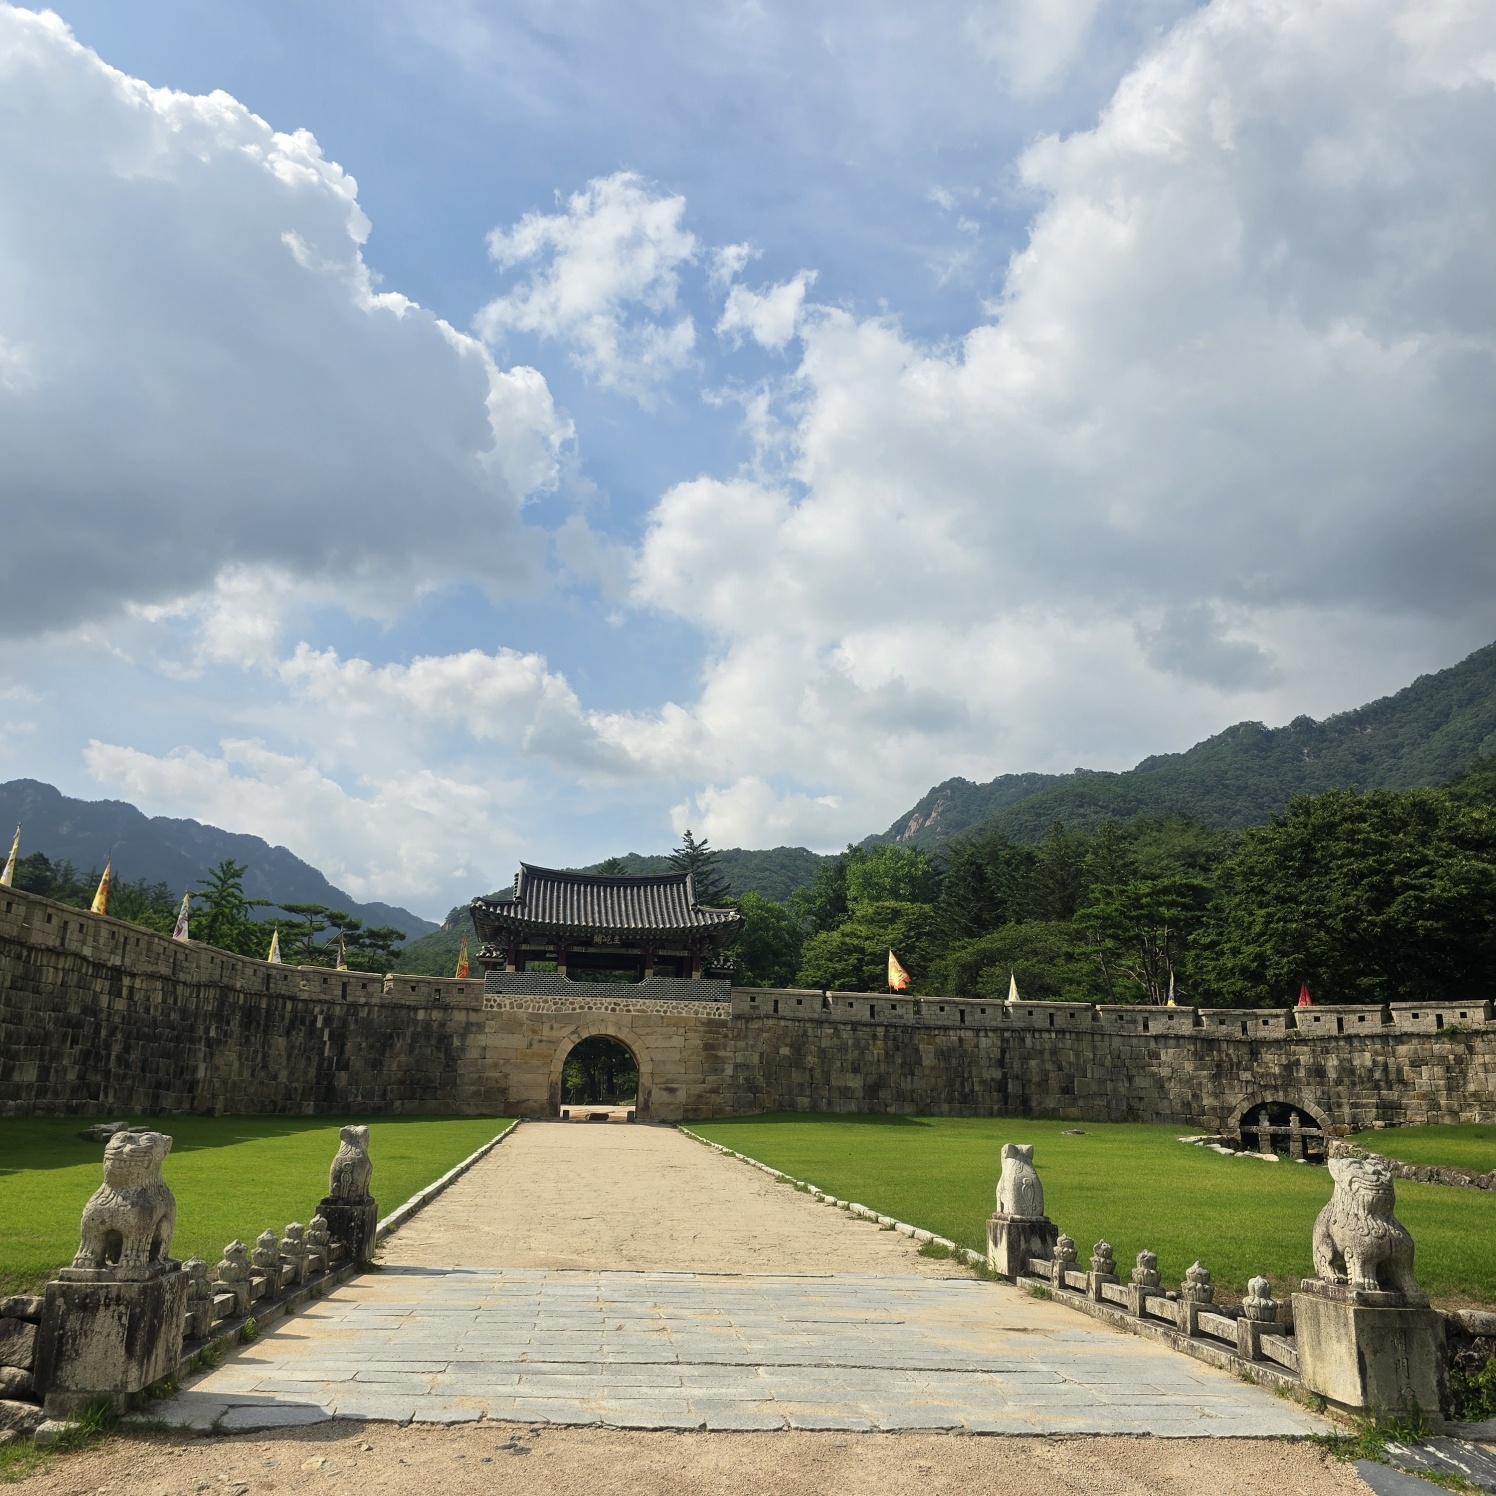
[775, 873]
[176, 853]
[1425, 734]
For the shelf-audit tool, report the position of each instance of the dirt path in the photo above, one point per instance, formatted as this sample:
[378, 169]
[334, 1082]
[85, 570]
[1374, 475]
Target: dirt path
[570, 1195]
[489, 1459]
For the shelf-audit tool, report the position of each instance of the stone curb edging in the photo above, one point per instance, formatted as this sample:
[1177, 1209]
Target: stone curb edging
[226, 1336]
[918, 1233]
[422, 1198]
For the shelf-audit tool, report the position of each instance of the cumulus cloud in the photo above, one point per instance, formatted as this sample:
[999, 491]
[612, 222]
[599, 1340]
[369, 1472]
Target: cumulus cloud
[603, 278]
[197, 368]
[770, 317]
[415, 831]
[1227, 424]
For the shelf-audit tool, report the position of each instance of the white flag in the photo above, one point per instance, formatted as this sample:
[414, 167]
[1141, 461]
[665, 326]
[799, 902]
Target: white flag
[8, 876]
[180, 933]
[1012, 988]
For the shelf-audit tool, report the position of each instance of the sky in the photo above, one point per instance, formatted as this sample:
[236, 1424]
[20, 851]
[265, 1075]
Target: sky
[439, 434]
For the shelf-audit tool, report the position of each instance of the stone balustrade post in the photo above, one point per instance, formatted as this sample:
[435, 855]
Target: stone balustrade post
[1103, 1270]
[1144, 1280]
[1063, 1260]
[1196, 1293]
[1259, 1316]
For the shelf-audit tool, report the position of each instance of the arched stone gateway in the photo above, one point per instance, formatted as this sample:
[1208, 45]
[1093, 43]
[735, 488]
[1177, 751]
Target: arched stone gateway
[1270, 1124]
[606, 1027]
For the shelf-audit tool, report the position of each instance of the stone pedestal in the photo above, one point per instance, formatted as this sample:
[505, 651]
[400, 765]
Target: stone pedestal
[1370, 1352]
[352, 1222]
[108, 1333]
[1013, 1240]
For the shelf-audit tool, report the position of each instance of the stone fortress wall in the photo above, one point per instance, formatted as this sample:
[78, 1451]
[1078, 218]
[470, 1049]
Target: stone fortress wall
[98, 1016]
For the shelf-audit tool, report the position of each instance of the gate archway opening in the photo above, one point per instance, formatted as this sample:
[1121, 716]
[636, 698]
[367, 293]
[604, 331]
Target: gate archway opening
[600, 1071]
[1294, 1129]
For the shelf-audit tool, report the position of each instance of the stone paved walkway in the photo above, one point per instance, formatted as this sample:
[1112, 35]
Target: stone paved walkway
[472, 1317]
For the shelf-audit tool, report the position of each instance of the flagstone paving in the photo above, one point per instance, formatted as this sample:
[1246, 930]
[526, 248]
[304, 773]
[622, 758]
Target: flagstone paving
[882, 1346]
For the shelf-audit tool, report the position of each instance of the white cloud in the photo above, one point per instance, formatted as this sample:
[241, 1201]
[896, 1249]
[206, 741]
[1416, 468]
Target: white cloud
[1032, 42]
[603, 278]
[417, 831]
[1223, 449]
[197, 370]
[771, 317]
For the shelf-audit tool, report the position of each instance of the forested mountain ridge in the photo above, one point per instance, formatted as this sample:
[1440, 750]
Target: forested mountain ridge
[1422, 735]
[162, 849]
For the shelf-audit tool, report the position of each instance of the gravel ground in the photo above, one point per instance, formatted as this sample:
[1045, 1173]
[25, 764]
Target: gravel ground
[574, 1195]
[500, 1458]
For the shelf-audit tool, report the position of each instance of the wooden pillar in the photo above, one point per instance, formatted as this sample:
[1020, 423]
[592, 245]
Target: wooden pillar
[560, 960]
[695, 964]
[649, 965]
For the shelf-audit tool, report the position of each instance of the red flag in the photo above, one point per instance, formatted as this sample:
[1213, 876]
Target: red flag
[1304, 1001]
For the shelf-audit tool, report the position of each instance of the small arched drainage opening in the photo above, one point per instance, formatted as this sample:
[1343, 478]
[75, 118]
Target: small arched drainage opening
[599, 1081]
[1283, 1128]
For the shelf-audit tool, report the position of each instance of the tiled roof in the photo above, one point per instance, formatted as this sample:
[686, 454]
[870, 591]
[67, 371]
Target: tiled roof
[547, 898]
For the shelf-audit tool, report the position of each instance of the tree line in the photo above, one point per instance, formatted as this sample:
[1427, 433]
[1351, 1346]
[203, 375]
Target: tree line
[1364, 897]
[222, 915]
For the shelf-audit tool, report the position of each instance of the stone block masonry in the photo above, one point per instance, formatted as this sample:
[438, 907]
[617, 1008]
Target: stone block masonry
[98, 1016]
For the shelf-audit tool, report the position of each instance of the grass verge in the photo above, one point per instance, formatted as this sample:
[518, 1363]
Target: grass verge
[232, 1176]
[1468, 1145]
[1132, 1184]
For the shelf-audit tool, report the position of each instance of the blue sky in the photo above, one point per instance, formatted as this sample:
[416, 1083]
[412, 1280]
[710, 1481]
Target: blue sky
[439, 434]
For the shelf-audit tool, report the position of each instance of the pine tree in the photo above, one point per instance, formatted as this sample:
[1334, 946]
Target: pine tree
[698, 859]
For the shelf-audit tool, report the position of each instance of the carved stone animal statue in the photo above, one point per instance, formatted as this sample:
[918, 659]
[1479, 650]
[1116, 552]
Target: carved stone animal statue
[1357, 1239]
[129, 1220]
[1019, 1192]
[351, 1169]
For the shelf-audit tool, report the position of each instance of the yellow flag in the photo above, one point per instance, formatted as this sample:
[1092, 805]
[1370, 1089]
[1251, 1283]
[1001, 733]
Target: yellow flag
[1012, 987]
[100, 903]
[275, 947]
[342, 955]
[462, 960]
[8, 876]
[898, 978]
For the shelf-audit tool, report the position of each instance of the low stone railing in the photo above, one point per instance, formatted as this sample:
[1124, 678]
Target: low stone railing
[1360, 1334]
[125, 1315]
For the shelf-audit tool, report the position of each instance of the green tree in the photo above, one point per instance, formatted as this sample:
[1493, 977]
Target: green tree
[984, 883]
[853, 957]
[1139, 934]
[147, 904]
[767, 953]
[1370, 897]
[221, 917]
[891, 874]
[823, 905]
[698, 859]
[1040, 954]
[299, 935]
[1056, 885]
[613, 867]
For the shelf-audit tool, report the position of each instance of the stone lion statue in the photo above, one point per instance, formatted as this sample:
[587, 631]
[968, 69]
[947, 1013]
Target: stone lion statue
[351, 1169]
[1019, 1192]
[1357, 1239]
[129, 1220]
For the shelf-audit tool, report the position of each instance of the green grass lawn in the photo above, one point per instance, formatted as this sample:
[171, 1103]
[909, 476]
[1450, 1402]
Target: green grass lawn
[1132, 1184]
[232, 1176]
[1470, 1145]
